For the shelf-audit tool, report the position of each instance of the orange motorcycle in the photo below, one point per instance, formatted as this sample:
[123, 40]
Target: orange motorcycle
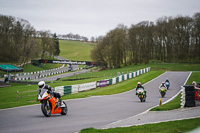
[50, 105]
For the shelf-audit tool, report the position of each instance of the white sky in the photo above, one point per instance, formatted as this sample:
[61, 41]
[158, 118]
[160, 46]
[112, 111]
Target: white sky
[94, 17]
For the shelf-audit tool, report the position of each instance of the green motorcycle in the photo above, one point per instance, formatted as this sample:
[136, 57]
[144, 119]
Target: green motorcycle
[163, 91]
[141, 94]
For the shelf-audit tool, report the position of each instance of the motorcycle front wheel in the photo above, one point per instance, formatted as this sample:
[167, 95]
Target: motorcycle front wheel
[64, 109]
[141, 98]
[46, 109]
[162, 94]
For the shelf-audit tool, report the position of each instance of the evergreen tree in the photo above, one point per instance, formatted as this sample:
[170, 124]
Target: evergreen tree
[56, 45]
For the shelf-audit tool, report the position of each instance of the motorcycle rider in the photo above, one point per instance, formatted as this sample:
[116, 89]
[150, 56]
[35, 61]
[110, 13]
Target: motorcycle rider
[163, 85]
[42, 85]
[139, 85]
[167, 80]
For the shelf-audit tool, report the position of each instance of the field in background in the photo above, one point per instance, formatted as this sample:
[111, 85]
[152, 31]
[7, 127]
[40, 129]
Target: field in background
[74, 50]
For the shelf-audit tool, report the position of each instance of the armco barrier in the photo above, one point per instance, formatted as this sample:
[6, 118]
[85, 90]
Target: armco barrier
[60, 89]
[113, 81]
[65, 90]
[87, 86]
[125, 77]
[74, 88]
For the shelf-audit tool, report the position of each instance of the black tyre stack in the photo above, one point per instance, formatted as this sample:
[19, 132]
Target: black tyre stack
[189, 96]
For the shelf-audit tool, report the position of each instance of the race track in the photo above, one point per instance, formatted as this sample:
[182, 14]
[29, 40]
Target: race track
[94, 112]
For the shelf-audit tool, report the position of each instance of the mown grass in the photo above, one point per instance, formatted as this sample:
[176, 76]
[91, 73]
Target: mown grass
[74, 50]
[179, 126]
[175, 66]
[9, 95]
[174, 104]
[195, 76]
[45, 66]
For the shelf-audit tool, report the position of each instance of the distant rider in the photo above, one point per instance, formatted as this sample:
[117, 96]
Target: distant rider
[167, 80]
[163, 85]
[139, 85]
[42, 85]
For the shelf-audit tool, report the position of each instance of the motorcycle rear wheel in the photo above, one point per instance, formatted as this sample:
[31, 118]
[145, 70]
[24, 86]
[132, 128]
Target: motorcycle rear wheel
[144, 99]
[46, 110]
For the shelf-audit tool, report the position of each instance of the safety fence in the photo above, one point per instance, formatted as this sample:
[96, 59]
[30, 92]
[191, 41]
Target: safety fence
[65, 90]
[26, 82]
[41, 76]
[27, 94]
[37, 72]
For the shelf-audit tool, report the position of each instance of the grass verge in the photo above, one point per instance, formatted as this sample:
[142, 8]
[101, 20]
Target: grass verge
[179, 126]
[174, 104]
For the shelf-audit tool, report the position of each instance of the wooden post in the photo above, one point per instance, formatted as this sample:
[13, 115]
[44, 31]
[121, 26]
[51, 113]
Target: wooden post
[160, 102]
[17, 95]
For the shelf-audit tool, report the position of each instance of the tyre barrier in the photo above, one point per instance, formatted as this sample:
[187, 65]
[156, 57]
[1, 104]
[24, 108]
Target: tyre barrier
[65, 90]
[188, 96]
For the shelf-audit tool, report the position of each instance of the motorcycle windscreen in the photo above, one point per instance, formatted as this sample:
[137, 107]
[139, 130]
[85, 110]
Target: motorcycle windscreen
[43, 93]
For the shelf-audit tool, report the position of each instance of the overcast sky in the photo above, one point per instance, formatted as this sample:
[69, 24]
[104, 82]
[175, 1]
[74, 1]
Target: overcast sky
[94, 17]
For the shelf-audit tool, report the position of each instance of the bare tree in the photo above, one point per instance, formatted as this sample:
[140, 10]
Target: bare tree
[46, 43]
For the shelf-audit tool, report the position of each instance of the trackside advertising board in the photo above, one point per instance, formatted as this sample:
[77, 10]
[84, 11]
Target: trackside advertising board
[102, 83]
[63, 62]
[87, 86]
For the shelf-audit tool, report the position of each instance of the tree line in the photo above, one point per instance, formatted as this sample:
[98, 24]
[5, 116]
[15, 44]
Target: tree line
[169, 39]
[74, 37]
[77, 37]
[20, 42]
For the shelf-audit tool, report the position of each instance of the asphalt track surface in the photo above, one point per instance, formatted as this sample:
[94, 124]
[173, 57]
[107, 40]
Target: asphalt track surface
[97, 111]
